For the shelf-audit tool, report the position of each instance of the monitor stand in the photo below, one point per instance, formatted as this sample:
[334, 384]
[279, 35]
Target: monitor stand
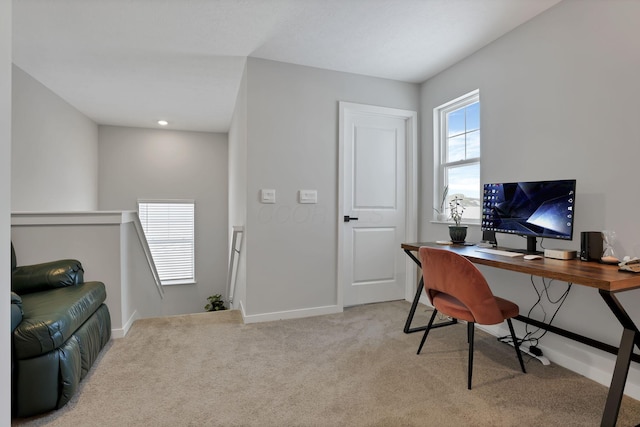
[531, 247]
[489, 240]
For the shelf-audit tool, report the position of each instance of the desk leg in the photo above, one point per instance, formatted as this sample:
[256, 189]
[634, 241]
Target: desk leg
[630, 337]
[619, 379]
[407, 326]
[412, 312]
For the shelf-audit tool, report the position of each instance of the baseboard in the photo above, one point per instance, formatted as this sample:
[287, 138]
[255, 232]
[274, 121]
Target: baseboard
[290, 314]
[122, 332]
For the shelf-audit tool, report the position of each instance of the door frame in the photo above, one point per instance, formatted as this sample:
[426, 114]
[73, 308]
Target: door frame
[411, 188]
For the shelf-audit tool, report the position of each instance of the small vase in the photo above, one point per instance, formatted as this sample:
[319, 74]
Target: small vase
[458, 233]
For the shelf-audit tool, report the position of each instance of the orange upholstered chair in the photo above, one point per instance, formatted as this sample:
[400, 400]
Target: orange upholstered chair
[458, 289]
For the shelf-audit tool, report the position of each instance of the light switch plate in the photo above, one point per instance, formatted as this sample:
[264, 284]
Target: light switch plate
[267, 195]
[308, 196]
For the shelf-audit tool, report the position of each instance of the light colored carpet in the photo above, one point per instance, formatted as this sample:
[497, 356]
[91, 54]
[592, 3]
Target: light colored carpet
[355, 368]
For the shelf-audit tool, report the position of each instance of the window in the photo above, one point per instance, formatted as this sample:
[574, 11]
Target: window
[169, 229]
[457, 153]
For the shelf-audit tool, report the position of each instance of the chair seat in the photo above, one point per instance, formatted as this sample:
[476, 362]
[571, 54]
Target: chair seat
[51, 317]
[452, 307]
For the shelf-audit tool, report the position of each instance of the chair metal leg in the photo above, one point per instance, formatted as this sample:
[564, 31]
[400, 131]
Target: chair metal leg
[470, 331]
[516, 344]
[426, 331]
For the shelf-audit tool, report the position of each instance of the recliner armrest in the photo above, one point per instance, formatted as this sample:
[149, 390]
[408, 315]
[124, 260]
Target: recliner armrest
[49, 275]
[15, 299]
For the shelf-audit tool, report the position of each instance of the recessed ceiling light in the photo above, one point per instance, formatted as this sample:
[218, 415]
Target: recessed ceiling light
[163, 122]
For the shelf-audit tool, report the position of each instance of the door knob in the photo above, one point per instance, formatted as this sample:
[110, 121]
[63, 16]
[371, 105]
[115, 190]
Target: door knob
[348, 218]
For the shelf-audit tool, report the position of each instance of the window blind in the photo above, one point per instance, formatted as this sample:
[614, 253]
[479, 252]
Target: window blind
[169, 229]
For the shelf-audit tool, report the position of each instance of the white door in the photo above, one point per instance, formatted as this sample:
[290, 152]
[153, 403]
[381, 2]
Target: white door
[374, 143]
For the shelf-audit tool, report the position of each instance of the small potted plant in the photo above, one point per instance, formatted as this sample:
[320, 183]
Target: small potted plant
[215, 303]
[457, 232]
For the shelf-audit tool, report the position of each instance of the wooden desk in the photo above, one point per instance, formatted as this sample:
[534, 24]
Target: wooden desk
[605, 278]
[592, 274]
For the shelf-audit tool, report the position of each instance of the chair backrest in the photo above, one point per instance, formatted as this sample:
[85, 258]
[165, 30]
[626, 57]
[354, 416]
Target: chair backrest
[447, 272]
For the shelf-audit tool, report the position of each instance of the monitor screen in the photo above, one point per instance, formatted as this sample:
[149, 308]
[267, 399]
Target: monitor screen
[535, 209]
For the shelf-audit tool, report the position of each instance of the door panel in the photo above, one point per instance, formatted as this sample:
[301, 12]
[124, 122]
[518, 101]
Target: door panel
[374, 255]
[375, 168]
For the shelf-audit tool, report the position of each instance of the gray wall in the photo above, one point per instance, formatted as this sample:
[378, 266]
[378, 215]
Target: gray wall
[292, 144]
[163, 164]
[55, 151]
[559, 98]
[5, 208]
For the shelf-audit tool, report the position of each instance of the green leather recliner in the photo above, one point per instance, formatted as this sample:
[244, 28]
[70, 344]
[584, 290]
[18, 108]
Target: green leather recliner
[59, 325]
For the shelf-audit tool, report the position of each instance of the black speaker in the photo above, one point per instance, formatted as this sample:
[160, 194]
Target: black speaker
[591, 246]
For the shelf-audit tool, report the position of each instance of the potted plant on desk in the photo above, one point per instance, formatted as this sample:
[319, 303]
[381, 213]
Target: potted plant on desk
[457, 233]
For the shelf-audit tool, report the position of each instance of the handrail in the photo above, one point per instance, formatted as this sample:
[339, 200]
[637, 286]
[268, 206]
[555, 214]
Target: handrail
[236, 246]
[147, 253]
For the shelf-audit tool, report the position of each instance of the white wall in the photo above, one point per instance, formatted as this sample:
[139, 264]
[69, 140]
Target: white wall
[559, 99]
[238, 183]
[55, 151]
[5, 208]
[163, 164]
[292, 144]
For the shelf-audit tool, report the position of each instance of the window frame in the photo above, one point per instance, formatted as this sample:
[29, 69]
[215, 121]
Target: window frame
[179, 281]
[440, 127]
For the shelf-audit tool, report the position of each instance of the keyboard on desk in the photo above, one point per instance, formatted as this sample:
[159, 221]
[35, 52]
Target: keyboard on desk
[499, 252]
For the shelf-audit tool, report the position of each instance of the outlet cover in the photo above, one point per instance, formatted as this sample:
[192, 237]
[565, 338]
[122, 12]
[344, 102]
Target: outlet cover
[267, 195]
[308, 196]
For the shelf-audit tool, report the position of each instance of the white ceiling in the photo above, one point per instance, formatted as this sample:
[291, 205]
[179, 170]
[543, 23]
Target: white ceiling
[132, 62]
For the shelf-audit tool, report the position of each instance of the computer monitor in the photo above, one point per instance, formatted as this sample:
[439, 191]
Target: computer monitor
[542, 209]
